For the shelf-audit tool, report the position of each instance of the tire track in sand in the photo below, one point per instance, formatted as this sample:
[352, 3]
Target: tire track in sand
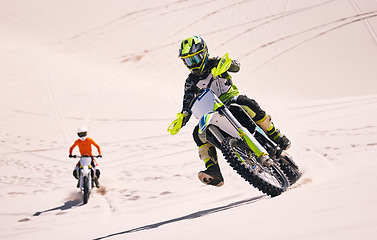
[366, 22]
[55, 107]
[359, 18]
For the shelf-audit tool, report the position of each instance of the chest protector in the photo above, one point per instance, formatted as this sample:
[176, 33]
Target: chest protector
[218, 85]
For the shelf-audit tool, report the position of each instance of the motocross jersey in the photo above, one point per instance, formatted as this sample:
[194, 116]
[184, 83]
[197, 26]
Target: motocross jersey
[85, 147]
[221, 85]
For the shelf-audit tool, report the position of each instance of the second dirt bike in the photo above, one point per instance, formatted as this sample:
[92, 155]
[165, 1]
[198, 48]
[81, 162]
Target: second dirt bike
[86, 176]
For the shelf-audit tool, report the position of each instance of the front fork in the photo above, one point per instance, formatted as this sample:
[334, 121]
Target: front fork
[245, 134]
[250, 140]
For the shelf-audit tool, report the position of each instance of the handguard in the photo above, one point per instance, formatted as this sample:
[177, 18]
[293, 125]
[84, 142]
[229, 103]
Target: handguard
[176, 125]
[223, 66]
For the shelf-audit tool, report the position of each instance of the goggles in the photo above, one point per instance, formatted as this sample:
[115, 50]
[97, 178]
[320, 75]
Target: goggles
[82, 134]
[193, 60]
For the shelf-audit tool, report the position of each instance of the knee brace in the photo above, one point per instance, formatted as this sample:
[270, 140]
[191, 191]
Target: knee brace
[208, 154]
[199, 139]
[268, 127]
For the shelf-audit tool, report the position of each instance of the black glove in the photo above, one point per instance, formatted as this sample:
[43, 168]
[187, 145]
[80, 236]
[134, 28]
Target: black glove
[99, 156]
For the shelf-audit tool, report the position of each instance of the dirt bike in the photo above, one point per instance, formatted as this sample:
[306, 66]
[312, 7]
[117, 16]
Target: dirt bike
[230, 129]
[86, 176]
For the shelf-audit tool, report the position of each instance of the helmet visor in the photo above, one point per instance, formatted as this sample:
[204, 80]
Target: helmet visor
[193, 60]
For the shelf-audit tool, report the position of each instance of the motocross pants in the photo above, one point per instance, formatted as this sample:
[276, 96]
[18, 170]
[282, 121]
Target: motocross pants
[258, 115]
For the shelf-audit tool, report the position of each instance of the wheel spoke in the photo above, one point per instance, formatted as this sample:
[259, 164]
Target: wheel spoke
[249, 158]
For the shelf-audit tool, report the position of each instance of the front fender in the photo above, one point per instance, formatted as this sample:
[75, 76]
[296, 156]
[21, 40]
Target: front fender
[204, 122]
[86, 170]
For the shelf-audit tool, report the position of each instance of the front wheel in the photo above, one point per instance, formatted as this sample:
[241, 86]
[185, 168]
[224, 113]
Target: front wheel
[269, 180]
[86, 189]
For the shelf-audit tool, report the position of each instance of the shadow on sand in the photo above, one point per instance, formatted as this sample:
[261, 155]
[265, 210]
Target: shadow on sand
[190, 216]
[67, 205]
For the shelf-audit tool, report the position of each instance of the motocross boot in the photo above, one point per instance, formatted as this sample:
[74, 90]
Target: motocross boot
[96, 182]
[212, 175]
[98, 173]
[75, 175]
[283, 142]
[274, 134]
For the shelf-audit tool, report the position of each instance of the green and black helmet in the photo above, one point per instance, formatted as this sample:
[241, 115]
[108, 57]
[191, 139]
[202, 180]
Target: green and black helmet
[194, 53]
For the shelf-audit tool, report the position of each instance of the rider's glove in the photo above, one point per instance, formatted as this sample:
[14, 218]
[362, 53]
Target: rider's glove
[71, 156]
[186, 117]
[177, 124]
[99, 156]
[222, 66]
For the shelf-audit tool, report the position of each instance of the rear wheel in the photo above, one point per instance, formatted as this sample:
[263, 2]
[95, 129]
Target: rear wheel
[289, 168]
[269, 180]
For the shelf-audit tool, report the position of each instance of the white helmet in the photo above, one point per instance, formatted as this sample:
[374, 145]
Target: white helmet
[82, 132]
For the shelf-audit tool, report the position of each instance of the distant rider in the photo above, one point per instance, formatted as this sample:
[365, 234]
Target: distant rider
[194, 53]
[85, 147]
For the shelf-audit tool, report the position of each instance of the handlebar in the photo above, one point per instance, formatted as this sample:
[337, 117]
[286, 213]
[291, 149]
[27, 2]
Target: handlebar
[78, 156]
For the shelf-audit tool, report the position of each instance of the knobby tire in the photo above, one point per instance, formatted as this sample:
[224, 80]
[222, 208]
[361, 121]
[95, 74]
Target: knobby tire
[86, 190]
[250, 175]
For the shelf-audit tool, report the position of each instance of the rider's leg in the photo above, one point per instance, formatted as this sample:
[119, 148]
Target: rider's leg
[212, 175]
[96, 168]
[97, 172]
[263, 120]
[76, 173]
[76, 170]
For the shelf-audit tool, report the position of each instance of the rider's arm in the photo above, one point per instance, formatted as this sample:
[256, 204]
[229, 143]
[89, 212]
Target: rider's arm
[72, 147]
[190, 92]
[97, 146]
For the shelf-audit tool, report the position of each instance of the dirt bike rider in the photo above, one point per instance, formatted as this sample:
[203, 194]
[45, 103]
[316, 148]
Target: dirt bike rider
[194, 53]
[85, 147]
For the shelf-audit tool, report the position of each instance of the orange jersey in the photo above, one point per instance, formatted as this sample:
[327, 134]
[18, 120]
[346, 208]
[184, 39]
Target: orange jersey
[85, 146]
